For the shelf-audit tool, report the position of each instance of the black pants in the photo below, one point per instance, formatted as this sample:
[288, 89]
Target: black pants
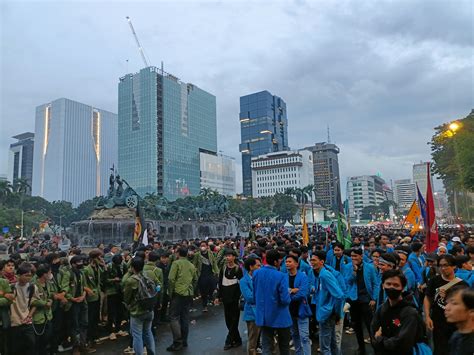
[268, 336]
[441, 334]
[232, 317]
[115, 314]
[43, 336]
[22, 340]
[206, 285]
[179, 318]
[93, 309]
[360, 313]
[164, 306]
[79, 322]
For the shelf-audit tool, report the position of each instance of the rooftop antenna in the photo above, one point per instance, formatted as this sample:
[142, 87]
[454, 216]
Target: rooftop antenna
[329, 136]
[140, 48]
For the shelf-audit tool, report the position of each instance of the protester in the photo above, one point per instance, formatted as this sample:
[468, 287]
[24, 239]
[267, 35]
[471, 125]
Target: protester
[272, 300]
[229, 295]
[182, 281]
[251, 264]
[208, 272]
[460, 311]
[435, 303]
[396, 327]
[93, 275]
[43, 314]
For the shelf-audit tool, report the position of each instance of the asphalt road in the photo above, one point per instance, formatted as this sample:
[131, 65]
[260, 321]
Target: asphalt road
[207, 336]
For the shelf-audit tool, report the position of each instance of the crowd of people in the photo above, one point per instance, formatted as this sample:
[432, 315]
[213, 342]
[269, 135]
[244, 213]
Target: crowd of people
[291, 296]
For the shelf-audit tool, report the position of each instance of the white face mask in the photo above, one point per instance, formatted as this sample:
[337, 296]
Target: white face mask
[203, 248]
[50, 277]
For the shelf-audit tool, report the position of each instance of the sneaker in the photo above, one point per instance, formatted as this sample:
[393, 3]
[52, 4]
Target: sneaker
[259, 350]
[128, 350]
[367, 340]
[174, 347]
[88, 350]
[205, 310]
[350, 331]
[227, 346]
[122, 333]
[63, 349]
[112, 336]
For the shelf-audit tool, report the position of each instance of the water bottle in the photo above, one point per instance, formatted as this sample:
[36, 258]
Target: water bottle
[158, 288]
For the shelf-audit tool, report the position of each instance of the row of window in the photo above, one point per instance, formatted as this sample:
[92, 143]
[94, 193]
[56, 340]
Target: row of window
[284, 176]
[286, 183]
[270, 191]
[277, 170]
[276, 161]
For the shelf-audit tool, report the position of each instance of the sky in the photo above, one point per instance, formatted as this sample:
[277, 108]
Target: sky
[380, 74]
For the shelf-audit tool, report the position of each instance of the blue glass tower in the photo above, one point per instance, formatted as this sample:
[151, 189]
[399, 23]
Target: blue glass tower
[263, 129]
[163, 125]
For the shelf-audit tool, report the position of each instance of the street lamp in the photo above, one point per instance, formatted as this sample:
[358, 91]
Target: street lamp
[22, 215]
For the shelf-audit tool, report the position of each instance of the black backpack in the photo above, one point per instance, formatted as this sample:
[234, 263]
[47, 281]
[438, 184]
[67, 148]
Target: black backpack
[147, 296]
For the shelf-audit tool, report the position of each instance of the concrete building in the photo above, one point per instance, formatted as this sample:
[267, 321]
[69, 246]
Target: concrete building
[420, 177]
[164, 123]
[75, 146]
[405, 193]
[275, 172]
[263, 130]
[218, 173]
[363, 191]
[326, 173]
[20, 162]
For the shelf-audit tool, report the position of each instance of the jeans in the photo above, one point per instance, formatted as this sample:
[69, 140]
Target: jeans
[232, 317]
[179, 318]
[140, 327]
[300, 335]
[339, 329]
[284, 336]
[79, 322]
[327, 336]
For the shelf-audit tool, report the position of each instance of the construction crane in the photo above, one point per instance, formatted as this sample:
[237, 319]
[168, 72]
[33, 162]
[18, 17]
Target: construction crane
[142, 53]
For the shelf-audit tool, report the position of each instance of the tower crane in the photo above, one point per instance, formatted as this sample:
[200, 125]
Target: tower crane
[142, 53]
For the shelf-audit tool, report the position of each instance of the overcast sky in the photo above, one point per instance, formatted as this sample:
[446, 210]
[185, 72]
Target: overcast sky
[381, 74]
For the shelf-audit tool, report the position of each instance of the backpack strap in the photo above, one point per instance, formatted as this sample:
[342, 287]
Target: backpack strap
[450, 284]
[31, 292]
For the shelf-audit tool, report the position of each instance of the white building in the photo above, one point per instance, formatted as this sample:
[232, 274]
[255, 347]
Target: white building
[217, 173]
[275, 172]
[405, 193]
[75, 146]
[420, 177]
[363, 191]
[20, 161]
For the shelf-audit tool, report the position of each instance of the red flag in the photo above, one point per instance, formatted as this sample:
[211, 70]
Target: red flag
[432, 230]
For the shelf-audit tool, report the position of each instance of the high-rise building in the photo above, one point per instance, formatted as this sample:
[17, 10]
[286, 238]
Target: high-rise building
[75, 146]
[420, 177]
[405, 193]
[275, 172]
[263, 130]
[363, 191]
[326, 173]
[218, 173]
[20, 162]
[441, 204]
[163, 125]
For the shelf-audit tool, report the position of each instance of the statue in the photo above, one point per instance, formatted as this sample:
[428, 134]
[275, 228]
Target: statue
[118, 196]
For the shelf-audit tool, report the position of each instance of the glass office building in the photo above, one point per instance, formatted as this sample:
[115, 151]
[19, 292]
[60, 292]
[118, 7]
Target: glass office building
[263, 129]
[163, 125]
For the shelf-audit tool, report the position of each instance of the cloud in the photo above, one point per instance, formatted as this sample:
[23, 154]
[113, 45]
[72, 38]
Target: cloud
[381, 74]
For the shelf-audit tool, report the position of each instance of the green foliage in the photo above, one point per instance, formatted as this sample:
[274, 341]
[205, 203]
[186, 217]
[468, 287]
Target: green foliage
[284, 207]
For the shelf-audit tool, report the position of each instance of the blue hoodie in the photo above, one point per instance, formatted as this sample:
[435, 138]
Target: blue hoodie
[328, 295]
[272, 298]
[246, 287]
[466, 275]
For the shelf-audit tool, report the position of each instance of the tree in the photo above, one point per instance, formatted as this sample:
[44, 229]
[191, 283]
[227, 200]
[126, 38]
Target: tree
[6, 189]
[284, 207]
[370, 212]
[308, 190]
[61, 213]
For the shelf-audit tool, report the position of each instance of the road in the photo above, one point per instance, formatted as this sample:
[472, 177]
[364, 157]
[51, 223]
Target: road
[206, 337]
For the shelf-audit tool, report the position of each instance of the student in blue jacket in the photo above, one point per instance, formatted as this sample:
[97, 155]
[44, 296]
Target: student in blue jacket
[407, 271]
[299, 309]
[330, 302]
[339, 259]
[464, 269]
[361, 281]
[416, 261]
[272, 300]
[303, 266]
[251, 264]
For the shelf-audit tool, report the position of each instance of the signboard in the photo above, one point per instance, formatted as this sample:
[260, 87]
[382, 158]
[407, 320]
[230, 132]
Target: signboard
[5, 230]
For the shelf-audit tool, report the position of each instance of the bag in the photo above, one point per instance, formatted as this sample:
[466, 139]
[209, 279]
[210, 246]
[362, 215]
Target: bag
[422, 349]
[304, 310]
[147, 296]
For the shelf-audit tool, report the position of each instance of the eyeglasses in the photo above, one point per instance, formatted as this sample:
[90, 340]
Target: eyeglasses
[444, 265]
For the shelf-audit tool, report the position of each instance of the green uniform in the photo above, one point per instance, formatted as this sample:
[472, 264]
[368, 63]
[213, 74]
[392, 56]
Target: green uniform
[93, 277]
[69, 284]
[130, 291]
[4, 303]
[45, 294]
[182, 278]
[197, 262]
[113, 287]
[153, 272]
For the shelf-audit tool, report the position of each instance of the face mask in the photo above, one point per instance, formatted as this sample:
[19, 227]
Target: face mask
[55, 267]
[203, 249]
[393, 293]
[79, 266]
[50, 277]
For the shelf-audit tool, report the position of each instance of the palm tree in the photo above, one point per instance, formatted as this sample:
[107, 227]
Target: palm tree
[21, 186]
[6, 189]
[308, 190]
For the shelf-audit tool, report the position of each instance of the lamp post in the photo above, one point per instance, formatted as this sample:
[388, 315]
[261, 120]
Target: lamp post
[22, 218]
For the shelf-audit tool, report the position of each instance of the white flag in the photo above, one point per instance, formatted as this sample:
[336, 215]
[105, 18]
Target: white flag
[145, 238]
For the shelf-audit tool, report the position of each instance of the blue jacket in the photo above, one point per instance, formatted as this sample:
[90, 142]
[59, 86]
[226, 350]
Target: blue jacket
[328, 294]
[303, 266]
[370, 279]
[246, 287]
[417, 267]
[411, 279]
[302, 284]
[344, 260]
[272, 298]
[466, 275]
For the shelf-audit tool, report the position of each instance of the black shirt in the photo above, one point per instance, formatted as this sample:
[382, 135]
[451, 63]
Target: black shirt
[294, 305]
[362, 293]
[338, 264]
[461, 344]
